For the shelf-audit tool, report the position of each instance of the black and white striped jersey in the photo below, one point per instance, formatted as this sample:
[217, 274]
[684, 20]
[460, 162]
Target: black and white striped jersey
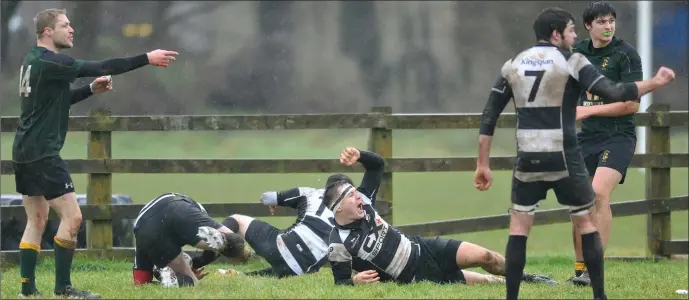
[160, 202]
[545, 83]
[372, 244]
[303, 245]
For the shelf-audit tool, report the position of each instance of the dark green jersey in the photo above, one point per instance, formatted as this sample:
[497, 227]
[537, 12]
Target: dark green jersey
[45, 95]
[619, 62]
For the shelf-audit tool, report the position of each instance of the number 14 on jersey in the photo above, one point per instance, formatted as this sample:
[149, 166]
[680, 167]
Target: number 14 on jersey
[24, 88]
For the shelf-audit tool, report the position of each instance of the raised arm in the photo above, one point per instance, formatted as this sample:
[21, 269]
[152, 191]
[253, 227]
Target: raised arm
[594, 82]
[374, 166]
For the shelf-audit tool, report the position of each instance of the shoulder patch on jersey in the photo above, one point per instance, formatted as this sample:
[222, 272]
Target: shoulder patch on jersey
[57, 58]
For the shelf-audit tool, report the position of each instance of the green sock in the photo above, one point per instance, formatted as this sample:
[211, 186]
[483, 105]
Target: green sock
[28, 256]
[64, 252]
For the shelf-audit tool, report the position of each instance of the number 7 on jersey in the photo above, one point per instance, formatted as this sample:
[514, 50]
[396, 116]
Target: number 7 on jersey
[24, 77]
[536, 83]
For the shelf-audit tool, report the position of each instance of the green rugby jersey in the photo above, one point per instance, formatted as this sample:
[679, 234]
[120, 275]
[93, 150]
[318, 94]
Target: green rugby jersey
[46, 97]
[620, 62]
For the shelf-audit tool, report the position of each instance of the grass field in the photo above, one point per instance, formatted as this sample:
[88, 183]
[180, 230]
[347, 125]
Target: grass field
[418, 197]
[648, 280]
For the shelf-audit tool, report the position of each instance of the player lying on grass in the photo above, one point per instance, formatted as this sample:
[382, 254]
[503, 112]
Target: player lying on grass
[169, 222]
[362, 241]
[302, 247]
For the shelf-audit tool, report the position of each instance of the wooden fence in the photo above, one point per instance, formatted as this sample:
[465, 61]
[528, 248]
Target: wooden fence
[100, 166]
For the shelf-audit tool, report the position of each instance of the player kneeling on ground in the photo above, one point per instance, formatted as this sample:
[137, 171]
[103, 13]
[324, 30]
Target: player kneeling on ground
[364, 242]
[165, 225]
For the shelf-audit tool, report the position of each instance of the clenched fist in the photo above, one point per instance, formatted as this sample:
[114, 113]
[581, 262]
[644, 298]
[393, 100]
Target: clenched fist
[664, 76]
[349, 156]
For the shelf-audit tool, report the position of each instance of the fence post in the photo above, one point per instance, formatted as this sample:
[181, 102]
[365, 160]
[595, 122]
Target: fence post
[99, 190]
[658, 180]
[380, 141]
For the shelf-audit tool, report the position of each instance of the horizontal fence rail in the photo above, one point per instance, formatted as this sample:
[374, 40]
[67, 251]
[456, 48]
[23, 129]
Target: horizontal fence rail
[312, 121]
[130, 211]
[544, 217]
[243, 166]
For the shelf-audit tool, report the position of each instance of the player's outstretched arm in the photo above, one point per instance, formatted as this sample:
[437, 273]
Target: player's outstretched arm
[631, 71]
[500, 95]
[594, 82]
[294, 197]
[115, 66]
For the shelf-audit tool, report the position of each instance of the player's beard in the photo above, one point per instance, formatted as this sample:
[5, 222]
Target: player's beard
[62, 45]
[566, 47]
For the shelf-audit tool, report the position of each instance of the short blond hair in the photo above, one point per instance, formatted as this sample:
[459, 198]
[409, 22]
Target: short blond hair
[47, 18]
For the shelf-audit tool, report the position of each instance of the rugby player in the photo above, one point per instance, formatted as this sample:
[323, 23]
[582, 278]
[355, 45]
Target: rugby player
[301, 248]
[362, 241]
[608, 130]
[41, 175]
[168, 223]
[545, 82]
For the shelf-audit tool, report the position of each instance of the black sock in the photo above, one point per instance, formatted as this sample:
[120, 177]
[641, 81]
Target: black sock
[515, 259]
[593, 258]
[232, 224]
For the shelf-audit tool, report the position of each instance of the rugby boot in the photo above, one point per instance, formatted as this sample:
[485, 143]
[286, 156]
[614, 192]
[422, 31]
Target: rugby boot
[582, 280]
[72, 293]
[533, 278]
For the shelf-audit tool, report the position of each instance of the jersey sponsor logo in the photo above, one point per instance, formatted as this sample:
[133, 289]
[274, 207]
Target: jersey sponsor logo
[374, 241]
[592, 100]
[537, 60]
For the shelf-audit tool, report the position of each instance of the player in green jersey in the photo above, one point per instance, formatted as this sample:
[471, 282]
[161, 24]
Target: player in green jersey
[41, 175]
[608, 130]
